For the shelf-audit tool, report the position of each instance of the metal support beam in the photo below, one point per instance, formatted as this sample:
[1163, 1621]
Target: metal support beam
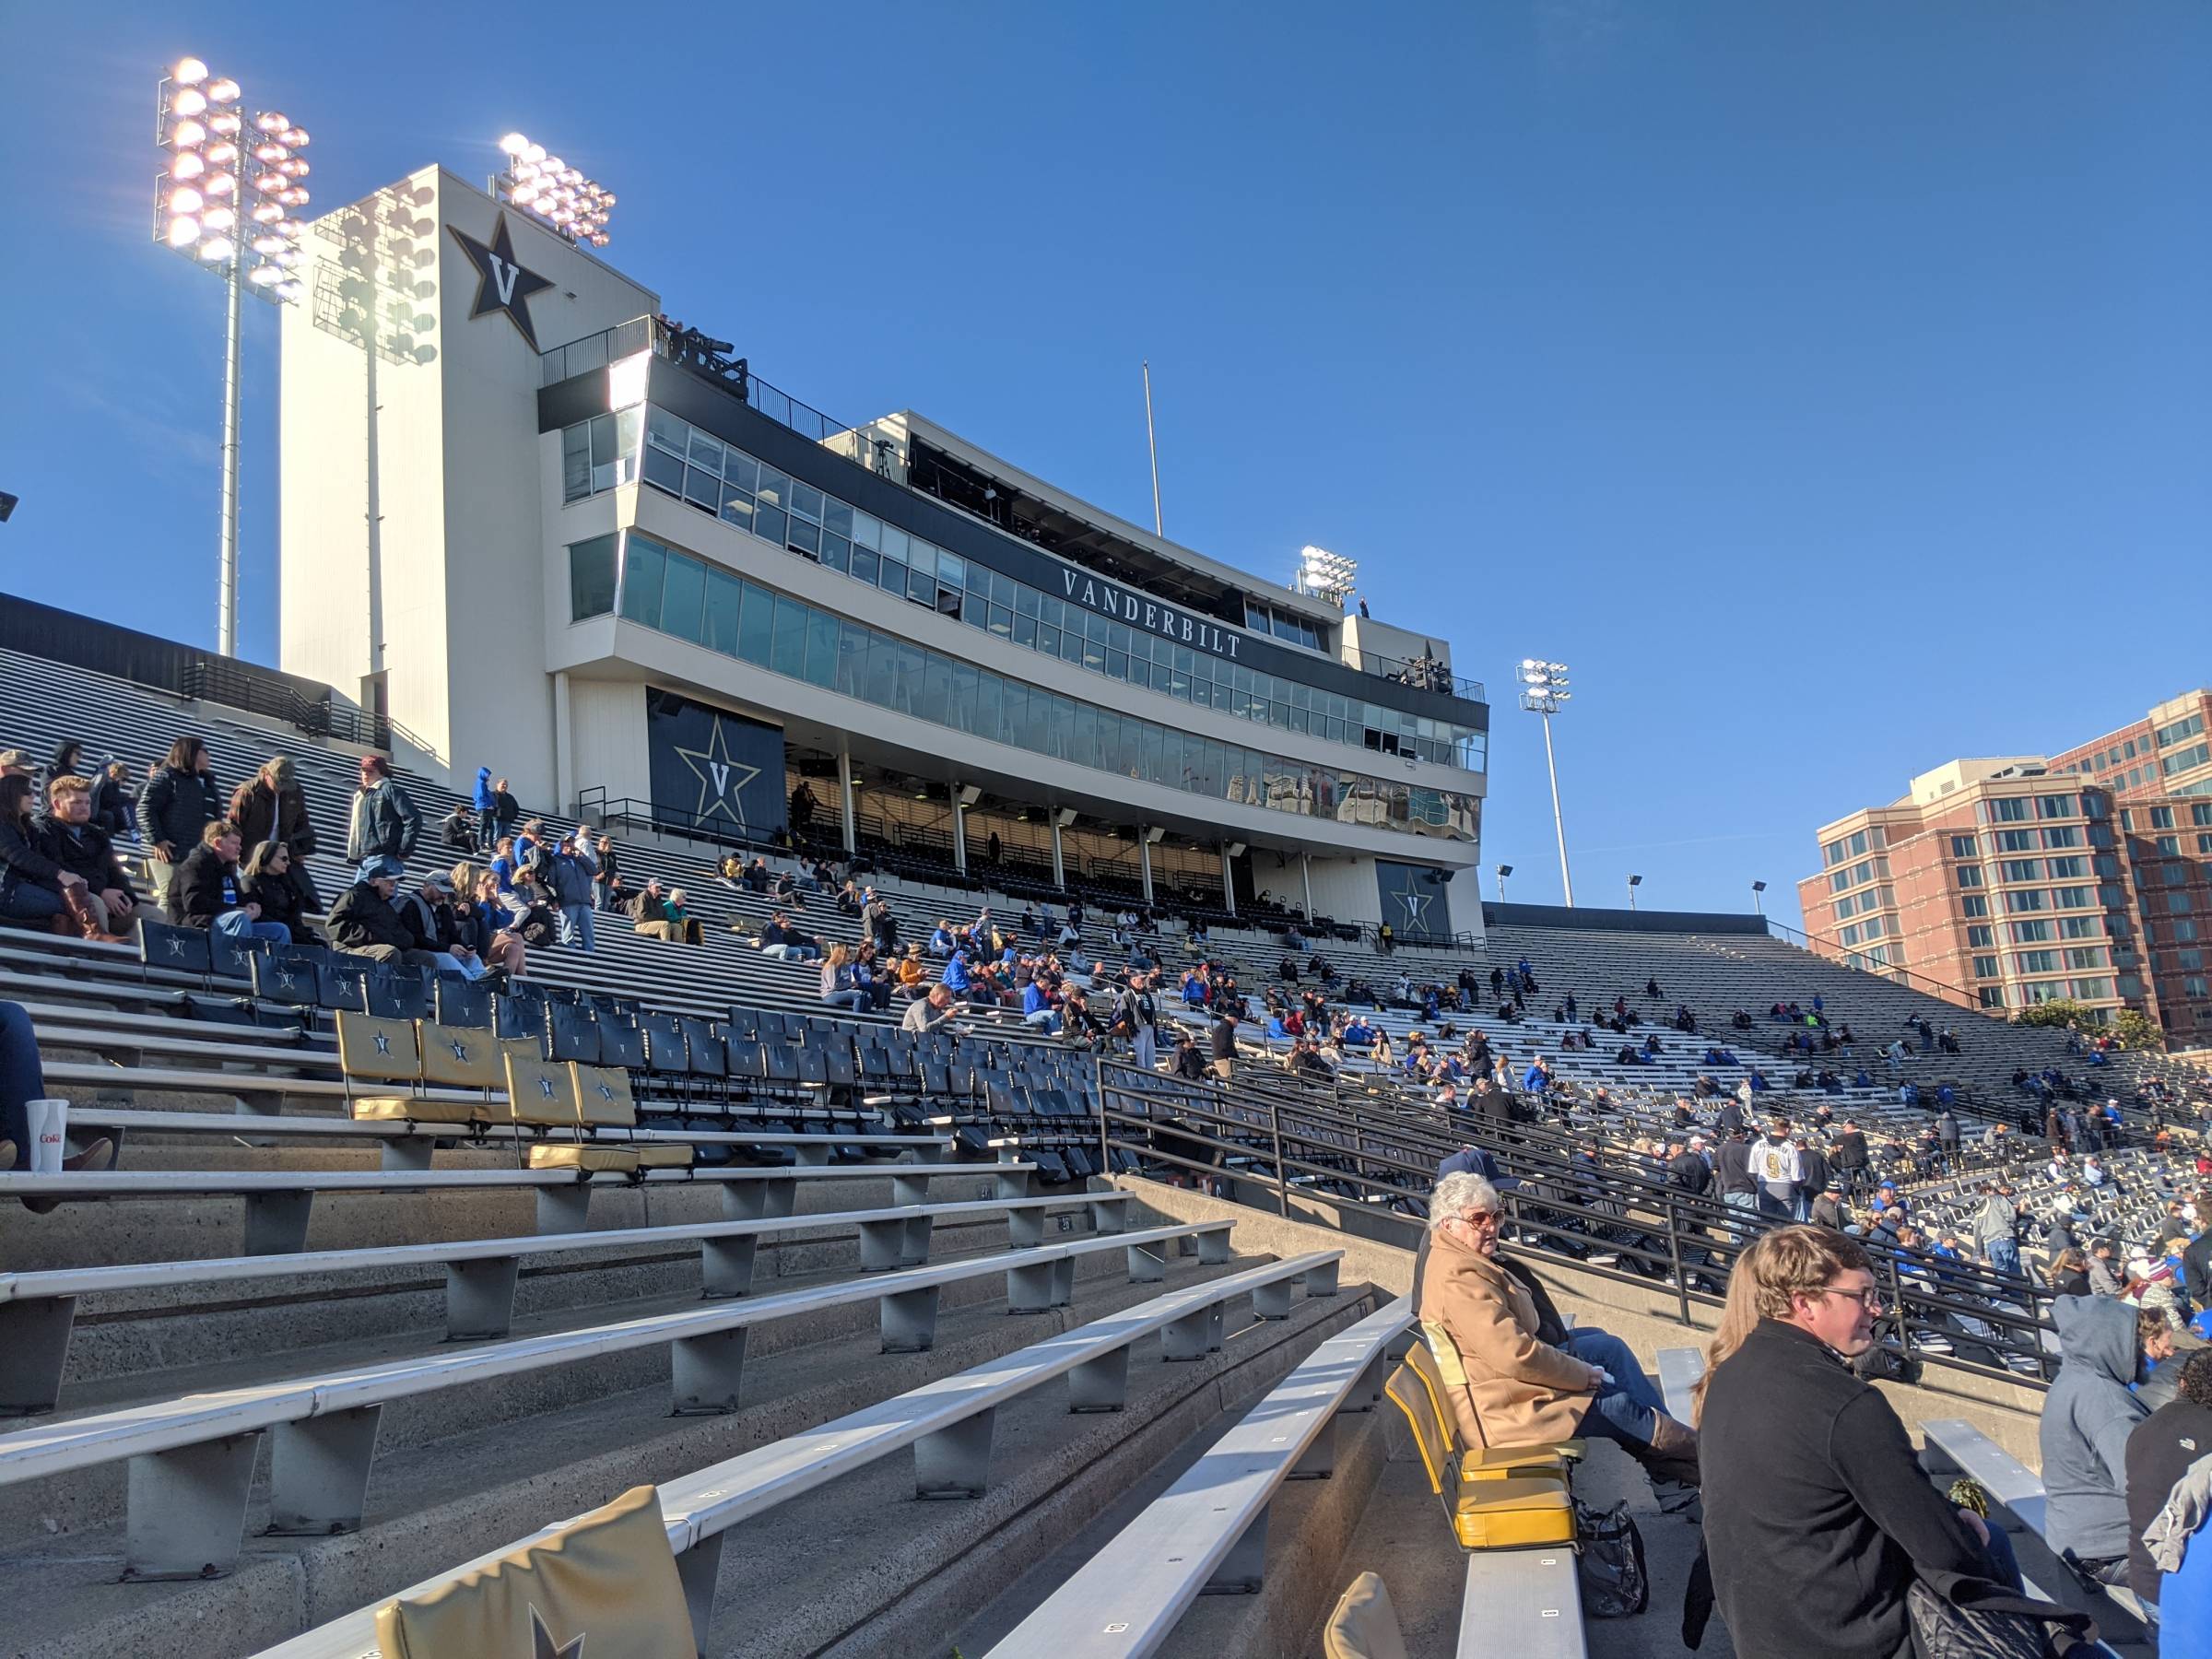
[910, 1189]
[479, 1298]
[910, 1321]
[844, 800]
[1100, 1385]
[562, 1209]
[955, 1461]
[1318, 1462]
[757, 1200]
[1144, 853]
[700, 1569]
[1305, 877]
[726, 1266]
[960, 831]
[1059, 854]
[1012, 1183]
[705, 1370]
[1238, 1573]
[319, 1473]
[187, 1510]
[410, 1155]
[1272, 1301]
[1147, 1264]
[276, 1222]
[1189, 1337]
[1025, 1229]
[914, 1248]
[883, 1244]
[1320, 1278]
[1213, 1251]
[1108, 1218]
[34, 1350]
[1029, 1287]
[1228, 881]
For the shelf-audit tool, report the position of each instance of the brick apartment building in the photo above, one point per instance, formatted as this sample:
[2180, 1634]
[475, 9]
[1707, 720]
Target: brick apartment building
[2006, 881]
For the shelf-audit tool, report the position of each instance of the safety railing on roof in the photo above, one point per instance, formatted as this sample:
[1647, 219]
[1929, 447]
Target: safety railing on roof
[240, 686]
[688, 348]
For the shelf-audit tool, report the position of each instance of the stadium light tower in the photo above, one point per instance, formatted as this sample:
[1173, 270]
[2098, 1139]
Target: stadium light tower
[1634, 882]
[553, 193]
[228, 199]
[1759, 897]
[1545, 691]
[1503, 871]
[1326, 575]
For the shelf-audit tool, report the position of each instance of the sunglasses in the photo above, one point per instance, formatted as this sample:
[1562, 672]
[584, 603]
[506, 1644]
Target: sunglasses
[1481, 1217]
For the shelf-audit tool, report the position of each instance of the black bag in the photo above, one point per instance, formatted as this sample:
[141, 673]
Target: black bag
[1955, 1616]
[1614, 1583]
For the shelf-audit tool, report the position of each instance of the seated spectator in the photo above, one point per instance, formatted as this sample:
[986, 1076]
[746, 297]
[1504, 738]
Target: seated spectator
[266, 882]
[839, 989]
[2165, 1451]
[1516, 1376]
[33, 888]
[486, 926]
[1037, 1010]
[430, 911]
[67, 835]
[531, 916]
[362, 919]
[113, 802]
[2088, 1415]
[457, 828]
[204, 890]
[928, 1011]
[503, 867]
[1834, 1505]
[781, 940]
[23, 1080]
[665, 915]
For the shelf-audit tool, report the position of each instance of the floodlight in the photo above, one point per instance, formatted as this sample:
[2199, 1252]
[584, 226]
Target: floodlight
[551, 191]
[216, 249]
[187, 131]
[188, 101]
[189, 72]
[219, 218]
[189, 164]
[183, 230]
[222, 91]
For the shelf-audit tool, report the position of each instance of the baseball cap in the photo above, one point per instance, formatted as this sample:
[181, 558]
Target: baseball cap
[14, 758]
[380, 866]
[439, 881]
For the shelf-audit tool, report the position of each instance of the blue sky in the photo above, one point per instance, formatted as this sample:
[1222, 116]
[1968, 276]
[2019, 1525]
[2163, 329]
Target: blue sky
[1829, 385]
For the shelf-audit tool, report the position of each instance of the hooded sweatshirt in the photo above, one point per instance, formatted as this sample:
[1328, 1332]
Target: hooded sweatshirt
[482, 799]
[2088, 1415]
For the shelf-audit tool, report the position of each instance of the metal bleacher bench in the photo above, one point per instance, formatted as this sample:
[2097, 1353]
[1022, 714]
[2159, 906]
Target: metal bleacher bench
[38, 1309]
[1680, 1368]
[949, 1423]
[1209, 1530]
[279, 1202]
[192, 1459]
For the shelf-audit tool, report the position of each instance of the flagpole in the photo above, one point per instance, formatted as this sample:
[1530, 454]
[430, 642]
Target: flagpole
[1152, 442]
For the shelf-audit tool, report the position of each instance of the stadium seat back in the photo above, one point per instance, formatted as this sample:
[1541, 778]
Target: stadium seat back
[602, 1097]
[1364, 1624]
[231, 959]
[280, 978]
[378, 1051]
[515, 1017]
[342, 986]
[182, 949]
[606, 1581]
[1410, 1395]
[399, 994]
[571, 1033]
[462, 1002]
[540, 1092]
[621, 1043]
[708, 1052]
[666, 1052]
[460, 1056]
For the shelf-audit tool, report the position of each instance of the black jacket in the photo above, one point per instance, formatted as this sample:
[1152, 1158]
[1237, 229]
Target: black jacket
[259, 813]
[1689, 1172]
[2197, 1269]
[1732, 1163]
[202, 888]
[111, 805]
[1223, 1040]
[2159, 1450]
[83, 849]
[1851, 1150]
[24, 859]
[278, 897]
[361, 916]
[1817, 1514]
[175, 806]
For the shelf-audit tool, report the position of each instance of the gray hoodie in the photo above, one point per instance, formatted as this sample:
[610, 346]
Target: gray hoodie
[2087, 1418]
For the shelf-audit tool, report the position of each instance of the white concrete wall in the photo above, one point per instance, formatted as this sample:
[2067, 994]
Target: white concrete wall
[607, 724]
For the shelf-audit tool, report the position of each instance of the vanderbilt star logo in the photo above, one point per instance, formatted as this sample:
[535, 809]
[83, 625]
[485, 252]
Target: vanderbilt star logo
[720, 779]
[502, 285]
[1415, 904]
[543, 1646]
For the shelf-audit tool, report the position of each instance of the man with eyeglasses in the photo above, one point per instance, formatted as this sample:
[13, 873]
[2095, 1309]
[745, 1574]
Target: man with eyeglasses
[1514, 1376]
[1819, 1517]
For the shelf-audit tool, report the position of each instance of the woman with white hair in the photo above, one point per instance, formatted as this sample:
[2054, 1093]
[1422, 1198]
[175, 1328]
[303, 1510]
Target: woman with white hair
[1513, 1376]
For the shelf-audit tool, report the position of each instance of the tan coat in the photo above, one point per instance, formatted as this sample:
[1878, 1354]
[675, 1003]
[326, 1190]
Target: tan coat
[1502, 1386]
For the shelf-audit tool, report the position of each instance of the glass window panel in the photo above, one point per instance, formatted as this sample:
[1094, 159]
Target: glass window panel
[787, 655]
[591, 578]
[979, 580]
[643, 564]
[703, 489]
[705, 451]
[1048, 609]
[1002, 622]
[1013, 710]
[937, 683]
[890, 575]
[852, 658]
[665, 471]
[952, 569]
[575, 463]
[756, 624]
[1048, 640]
[907, 692]
[1117, 663]
[821, 648]
[741, 469]
[883, 668]
[864, 531]
[774, 488]
[667, 431]
[806, 501]
[837, 516]
[864, 564]
[1025, 631]
[922, 556]
[922, 586]
[959, 700]
[767, 523]
[737, 507]
[1117, 637]
[837, 552]
[683, 598]
[725, 596]
[948, 601]
[803, 537]
[893, 545]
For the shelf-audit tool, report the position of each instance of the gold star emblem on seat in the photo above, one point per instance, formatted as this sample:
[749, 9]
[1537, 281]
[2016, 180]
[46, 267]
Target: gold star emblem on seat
[720, 778]
[542, 1645]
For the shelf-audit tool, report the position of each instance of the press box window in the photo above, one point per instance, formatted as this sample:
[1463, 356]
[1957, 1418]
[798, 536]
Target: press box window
[591, 577]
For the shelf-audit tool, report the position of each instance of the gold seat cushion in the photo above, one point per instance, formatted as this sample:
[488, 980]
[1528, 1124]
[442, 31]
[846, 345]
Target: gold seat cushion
[1504, 1463]
[563, 1157]
[663, 1155]
[1512, 1513]
[413, 1110]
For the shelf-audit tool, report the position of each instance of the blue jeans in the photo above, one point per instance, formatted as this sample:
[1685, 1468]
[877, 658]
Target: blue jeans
[1044, 1020]
[2004, 1254]
[853, 1000]
[1748, 1203]
[25, 902]
[239, 925]
[576, 926]
[21, 1079]
[1625, 1409]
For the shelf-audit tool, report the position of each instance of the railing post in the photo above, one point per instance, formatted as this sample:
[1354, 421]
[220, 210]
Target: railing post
[1904, 1323]
[1282, 1176]
[1105, 1156]
[1674, 1244]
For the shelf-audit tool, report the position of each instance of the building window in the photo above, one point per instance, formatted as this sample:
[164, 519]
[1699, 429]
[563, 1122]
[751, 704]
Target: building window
[2029, 932]
[1985, 967]
[591, 577]
[1972, 904]
[1982, 936]
[599, 454]
[2036, 961]
[1962, 846]
[2017, 840]
[2008, 809]
[2032, 899]
[2065, 868]
[1970, 876]
[2020, 869]
[2070, 898]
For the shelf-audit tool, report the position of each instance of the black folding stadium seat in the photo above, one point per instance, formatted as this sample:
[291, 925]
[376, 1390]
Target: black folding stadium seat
[281, 978]
[571, 1034]
[742, 1022]
[230, 958]
[182, 949]
[463, 1002]
[621, 1043]
[518, 1016]
[666, 1053]
[706, 1048]
[399, 992]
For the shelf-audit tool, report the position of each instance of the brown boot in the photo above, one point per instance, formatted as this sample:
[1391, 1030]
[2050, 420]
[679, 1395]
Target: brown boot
[96, 1157]
[1673, 1453]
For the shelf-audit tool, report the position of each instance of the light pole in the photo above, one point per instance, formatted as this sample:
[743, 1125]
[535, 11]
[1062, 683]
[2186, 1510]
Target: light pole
[226, 199]
[1544, 690]
[552, 192]
[1634, 882]
[1759, 901]
[1503, 871]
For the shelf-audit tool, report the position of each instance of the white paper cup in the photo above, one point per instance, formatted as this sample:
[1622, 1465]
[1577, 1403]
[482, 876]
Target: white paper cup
[49, 1132]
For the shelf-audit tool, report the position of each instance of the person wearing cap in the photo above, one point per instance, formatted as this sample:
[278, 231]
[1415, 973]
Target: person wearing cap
[363, 920]
[569, 878]
[429, 911]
